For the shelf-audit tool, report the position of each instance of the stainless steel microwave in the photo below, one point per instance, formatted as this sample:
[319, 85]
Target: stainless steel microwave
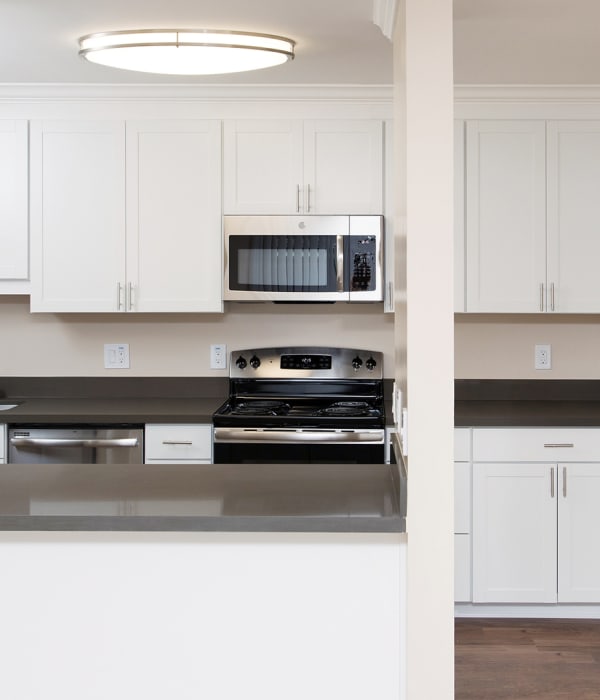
[303, 258]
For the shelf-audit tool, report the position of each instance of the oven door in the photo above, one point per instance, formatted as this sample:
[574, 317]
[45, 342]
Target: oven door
[285, 258]
[271, 446]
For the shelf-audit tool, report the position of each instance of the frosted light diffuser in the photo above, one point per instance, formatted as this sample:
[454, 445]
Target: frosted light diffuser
[186, 51]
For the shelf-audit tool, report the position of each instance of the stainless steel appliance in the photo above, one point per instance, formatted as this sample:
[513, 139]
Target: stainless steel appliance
[302, 404]
[76, 445]
[303, 258]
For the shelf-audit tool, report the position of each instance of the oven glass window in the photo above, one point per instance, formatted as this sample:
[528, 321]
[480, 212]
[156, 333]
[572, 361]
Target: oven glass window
[283, 263]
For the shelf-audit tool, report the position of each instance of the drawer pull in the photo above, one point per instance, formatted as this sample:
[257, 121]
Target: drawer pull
[552, 482]
[559, 444]
[564, 482]
[177, 442]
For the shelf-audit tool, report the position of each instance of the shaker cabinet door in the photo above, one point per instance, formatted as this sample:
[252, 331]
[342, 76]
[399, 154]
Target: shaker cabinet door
[14, 225]
[506, 216]
[174, 215]
[77, 215]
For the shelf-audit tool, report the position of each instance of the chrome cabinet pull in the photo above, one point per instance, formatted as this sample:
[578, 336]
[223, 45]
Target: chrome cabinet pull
[131, 299]
[542, 296]
[559, 444]
[552, 296]
[177, 442]
[551, 482]
[564, 482]
[119, 296]
[298, 199]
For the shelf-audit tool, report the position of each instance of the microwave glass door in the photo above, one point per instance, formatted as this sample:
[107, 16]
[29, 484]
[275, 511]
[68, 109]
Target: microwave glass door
[285, 263]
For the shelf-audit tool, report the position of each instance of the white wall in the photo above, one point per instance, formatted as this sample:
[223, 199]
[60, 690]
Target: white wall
[178, 344]
[497, 346]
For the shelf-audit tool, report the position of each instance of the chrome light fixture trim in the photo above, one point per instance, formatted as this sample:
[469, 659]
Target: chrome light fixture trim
[186, 51]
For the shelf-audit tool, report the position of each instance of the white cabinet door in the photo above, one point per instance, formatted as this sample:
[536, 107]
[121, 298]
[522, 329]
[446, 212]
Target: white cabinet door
[77, 215]
[174, 215]
[514, 533]
[293, 167]
[262, 166]
[579, 533]
[573, 215]
[506, 216]
[343, 167]
[14, 226]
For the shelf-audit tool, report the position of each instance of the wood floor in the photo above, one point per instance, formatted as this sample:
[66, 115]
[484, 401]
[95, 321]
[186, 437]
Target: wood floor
[527, 659]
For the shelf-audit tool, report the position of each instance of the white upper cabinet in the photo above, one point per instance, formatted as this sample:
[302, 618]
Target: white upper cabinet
[174, 215]
[100, 243]
[77, 215]
[574, 216]
[459, 216]
[14, 226]
[303, 167]
[505, 216]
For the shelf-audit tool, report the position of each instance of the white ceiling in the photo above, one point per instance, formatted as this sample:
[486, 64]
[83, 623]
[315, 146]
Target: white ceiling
[496, 41]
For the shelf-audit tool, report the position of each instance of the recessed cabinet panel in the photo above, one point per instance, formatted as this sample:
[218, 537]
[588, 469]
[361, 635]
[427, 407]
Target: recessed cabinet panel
[506, 216]
[574, 215]
[263, 166]
[514, 533]
[14, 228]
[174, 215]
[77, 215]
[578, 533]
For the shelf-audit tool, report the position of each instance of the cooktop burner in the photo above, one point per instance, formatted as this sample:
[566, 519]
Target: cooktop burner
[260, 408]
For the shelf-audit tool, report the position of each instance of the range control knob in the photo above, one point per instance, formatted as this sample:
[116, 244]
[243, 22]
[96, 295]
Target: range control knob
[254, 362]
[370, 364]
[357, 362]
[241, 362]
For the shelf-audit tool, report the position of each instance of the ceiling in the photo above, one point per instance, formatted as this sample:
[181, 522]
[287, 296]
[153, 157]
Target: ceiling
[495, 41]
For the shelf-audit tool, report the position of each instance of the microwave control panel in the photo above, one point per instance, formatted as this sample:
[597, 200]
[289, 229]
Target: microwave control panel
[363, 263]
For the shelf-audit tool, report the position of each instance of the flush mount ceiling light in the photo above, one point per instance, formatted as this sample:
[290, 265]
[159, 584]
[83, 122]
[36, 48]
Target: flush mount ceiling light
[186, 51]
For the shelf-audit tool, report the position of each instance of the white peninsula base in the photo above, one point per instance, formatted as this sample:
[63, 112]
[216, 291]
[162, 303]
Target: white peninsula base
[222, 616]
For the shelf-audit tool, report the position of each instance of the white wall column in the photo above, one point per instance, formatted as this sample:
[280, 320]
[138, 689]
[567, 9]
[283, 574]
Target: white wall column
[424, 331]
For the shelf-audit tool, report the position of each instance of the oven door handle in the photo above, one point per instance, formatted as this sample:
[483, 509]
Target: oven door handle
[294, 435]
[69, 442]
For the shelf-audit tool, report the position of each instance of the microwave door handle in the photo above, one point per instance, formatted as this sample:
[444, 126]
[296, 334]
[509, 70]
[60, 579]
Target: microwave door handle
[341, 245]
[67, 442]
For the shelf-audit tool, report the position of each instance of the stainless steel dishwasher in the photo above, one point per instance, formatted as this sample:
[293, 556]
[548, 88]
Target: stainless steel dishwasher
[76, 445]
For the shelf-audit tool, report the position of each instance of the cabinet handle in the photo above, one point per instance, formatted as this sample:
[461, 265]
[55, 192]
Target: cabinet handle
[298, 199]
[177, 442]
[559, 444]
[564, 482]
[131, 299]
[551, 482]
[119, 296]
[552, 296]
[542, 296]
[307, 197]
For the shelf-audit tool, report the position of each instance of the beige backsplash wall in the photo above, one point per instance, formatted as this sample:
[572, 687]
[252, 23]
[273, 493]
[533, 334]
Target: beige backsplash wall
[502, 346]
[178, 344]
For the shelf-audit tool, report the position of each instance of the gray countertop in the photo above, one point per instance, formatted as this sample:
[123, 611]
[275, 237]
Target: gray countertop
[112, 410]
[202, 497]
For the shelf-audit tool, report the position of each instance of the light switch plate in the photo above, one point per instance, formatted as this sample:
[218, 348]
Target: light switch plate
[116, 356]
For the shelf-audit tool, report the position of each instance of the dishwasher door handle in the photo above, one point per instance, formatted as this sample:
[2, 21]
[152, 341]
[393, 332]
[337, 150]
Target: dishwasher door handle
[66, 442]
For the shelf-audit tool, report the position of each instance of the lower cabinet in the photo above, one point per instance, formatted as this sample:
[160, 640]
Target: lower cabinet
[462, 515]
[536, 524]
[178, 444]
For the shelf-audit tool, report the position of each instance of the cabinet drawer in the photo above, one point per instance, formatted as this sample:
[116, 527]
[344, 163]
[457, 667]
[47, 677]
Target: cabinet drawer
[462, 444]
[178, 442]
[536, 444]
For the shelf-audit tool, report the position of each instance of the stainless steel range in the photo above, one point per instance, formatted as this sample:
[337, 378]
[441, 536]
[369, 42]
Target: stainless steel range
[302, 404]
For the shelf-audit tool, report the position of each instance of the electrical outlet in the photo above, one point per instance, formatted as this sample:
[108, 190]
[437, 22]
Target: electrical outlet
[218, 356]
[116, 356]
[543, 357]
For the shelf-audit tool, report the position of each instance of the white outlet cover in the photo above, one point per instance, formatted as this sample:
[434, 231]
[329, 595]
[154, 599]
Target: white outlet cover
[116, 356]
[543, 357]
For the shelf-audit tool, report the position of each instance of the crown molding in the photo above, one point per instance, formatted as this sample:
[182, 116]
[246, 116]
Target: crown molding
[384, 16]
[527, 94]
[36, 92]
